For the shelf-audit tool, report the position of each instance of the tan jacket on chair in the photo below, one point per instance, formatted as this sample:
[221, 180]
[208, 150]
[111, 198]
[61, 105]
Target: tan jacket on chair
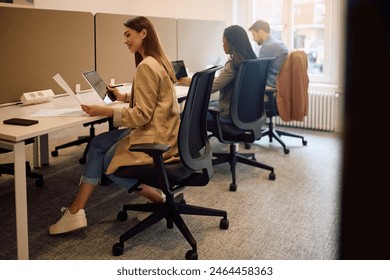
[292, 85]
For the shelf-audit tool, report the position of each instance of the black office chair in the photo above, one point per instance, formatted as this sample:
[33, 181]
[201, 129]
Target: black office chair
[81, 140]
[9, 168]
[247, 117]
[298, 77]
[194, 169]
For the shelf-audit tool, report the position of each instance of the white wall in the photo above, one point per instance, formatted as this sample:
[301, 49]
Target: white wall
[188, 9]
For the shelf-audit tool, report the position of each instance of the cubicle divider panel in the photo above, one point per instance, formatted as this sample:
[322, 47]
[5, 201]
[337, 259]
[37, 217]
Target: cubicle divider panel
[200, 43]
[113, 59]
[35, 44]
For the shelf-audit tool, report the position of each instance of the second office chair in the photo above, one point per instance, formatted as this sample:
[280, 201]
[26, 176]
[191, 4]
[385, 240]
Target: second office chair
[247, 116]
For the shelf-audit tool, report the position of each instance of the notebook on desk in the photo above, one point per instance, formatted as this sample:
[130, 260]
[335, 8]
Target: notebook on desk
[179, 68]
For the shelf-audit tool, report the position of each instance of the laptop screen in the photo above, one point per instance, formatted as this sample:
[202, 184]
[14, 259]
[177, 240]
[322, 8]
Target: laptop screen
[179, 68]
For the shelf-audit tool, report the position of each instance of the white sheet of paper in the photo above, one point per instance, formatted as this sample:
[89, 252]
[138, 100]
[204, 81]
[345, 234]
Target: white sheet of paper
[59, 113]
[58, 78]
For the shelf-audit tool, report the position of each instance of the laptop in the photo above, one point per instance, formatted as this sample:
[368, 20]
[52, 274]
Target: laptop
[97, 83]
[179, 68]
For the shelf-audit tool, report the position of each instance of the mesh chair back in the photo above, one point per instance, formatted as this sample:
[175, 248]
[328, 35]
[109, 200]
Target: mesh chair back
[194, 147]
[247, 103]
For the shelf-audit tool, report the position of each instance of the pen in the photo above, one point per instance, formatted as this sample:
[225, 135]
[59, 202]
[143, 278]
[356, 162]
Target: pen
[118, 85]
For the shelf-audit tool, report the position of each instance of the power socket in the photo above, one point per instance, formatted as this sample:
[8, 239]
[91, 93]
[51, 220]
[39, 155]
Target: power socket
[35, 97]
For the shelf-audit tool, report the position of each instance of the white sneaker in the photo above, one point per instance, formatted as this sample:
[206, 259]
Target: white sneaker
[69, 222]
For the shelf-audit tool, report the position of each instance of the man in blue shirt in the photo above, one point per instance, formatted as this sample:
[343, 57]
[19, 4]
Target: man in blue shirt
[270, 47]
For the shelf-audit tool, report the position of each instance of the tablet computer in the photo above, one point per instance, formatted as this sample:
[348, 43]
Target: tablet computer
[97, 83]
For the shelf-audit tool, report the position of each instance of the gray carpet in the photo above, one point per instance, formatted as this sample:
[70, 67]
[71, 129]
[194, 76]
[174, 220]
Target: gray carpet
[294, 217]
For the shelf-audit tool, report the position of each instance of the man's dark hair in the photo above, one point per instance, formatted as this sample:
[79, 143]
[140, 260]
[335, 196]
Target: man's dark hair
[260, 25]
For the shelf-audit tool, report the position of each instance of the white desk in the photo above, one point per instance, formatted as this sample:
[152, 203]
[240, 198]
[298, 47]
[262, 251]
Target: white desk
[12, 137]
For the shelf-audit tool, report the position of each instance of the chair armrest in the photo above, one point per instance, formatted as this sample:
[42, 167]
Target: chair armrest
[152, 149]
[270, 102]
[100, 121]
[155, 150]
[215, 111]
[217, 132]
[270, 91]
[181, 99]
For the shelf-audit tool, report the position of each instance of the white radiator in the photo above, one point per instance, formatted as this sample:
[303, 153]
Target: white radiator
[321, 114]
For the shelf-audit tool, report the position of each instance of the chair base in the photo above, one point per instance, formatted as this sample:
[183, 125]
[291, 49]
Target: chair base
[82, 140]
[79, 141]
[9, 168]
[274, 133]
[171, 210]
[246, 158]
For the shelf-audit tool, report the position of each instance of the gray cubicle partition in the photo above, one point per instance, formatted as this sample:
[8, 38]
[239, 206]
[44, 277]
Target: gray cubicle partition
[200, 43]
[113, 58]
[35, 44]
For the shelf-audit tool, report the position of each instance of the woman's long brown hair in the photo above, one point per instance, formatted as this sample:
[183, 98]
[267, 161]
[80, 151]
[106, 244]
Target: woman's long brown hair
[151, 44]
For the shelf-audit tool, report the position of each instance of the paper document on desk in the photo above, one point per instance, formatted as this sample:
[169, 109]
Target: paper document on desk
[59, 113]
[58, 78]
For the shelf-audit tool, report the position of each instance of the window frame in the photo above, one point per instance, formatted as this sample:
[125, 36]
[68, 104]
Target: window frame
[333, 35]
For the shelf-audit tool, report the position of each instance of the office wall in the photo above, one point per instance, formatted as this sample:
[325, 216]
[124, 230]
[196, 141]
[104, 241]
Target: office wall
[190, 9]
[217, 13]
[36, 44]
[197, 42]
[200, 43]
[113, 58]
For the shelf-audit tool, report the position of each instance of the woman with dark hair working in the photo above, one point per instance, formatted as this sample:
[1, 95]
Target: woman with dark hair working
[236, 44]
[152, 116]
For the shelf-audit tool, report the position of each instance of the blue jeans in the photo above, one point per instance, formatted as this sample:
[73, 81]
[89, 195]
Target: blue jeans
[100, 154]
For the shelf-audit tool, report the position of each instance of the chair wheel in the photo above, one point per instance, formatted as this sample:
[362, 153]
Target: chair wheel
[54, 154]
[247, 146]
[191, 255]
[304, 142]
[224, 224]
[117, 249]
[233, 187]
[122, 216]
[82, 160]
[272, 176]
[286, 151]
[39, 183]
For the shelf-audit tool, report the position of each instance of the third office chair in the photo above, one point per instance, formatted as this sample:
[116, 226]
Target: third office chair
[289, 100]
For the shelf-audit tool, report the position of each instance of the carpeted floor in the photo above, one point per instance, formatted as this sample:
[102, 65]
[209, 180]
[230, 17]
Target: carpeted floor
[294, 217]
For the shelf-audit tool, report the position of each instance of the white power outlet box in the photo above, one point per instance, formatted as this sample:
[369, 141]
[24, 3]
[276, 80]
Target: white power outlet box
[35, 97]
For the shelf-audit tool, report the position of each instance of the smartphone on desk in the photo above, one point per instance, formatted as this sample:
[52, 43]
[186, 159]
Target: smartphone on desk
[20, 121]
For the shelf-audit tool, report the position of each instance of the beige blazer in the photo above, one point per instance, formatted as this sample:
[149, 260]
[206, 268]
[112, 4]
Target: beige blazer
[292, 84]
[153, 116]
